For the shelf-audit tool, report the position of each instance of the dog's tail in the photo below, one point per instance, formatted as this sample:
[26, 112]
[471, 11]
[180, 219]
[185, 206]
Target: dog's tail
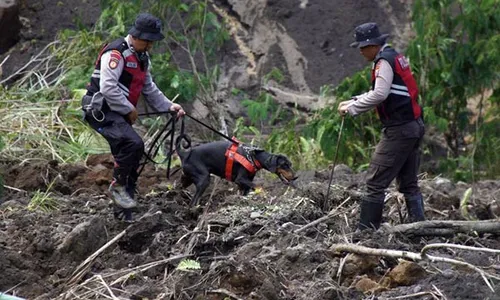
[182, 142]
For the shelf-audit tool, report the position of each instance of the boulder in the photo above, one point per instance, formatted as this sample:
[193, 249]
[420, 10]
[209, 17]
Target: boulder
[9, 24]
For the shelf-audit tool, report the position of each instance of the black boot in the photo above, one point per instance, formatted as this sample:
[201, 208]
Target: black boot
[132, 183]
[371, 215]
[415, 207]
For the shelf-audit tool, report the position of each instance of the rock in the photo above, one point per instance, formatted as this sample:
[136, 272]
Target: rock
[84, 239]
[366, 285]
[342, 169]
[11, 204]
[359, 264]
[255, 215]
[444, 185]
[448, 273]
[9, 18]
[494, 210]
[406, 273]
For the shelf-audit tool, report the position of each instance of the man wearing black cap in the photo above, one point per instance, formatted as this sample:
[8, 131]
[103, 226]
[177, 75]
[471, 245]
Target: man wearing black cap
[121, 75]
[394, 95]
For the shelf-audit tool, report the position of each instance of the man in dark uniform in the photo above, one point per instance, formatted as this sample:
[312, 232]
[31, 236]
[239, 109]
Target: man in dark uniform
[394, 94]
[121, 74]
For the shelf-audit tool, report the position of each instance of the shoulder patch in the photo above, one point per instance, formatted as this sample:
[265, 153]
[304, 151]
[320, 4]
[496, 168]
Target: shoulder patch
[114, 59]
[377, 68]
[403, 62]
[116, 55]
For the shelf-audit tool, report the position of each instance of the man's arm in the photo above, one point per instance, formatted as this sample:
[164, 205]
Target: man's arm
[383, 80]
[154, 96]
[112, 64]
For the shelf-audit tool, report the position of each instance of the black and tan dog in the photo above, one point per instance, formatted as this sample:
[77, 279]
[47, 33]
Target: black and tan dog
[232, 161]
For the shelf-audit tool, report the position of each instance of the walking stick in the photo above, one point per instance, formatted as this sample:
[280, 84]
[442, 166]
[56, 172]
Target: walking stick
[335, 158]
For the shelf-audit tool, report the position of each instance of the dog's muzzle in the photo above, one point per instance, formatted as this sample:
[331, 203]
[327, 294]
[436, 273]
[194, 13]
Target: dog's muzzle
[286, 180]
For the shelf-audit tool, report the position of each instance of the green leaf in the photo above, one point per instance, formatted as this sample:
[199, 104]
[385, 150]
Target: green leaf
[188, 264]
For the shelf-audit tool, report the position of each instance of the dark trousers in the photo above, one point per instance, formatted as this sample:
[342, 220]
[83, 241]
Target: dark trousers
[126, 145]
[397, 156]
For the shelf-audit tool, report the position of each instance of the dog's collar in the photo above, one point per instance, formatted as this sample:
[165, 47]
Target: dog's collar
[247, 161]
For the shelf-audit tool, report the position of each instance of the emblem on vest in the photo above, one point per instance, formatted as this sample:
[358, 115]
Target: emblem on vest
[403, 62]
[131, 64]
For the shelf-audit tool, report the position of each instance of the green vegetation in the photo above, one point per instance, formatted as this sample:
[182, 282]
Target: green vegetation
[43, 200]
[454, 56]
[40, 112]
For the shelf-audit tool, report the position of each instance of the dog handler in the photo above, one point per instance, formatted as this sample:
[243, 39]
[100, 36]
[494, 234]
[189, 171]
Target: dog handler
[121, 74]
[394, 94]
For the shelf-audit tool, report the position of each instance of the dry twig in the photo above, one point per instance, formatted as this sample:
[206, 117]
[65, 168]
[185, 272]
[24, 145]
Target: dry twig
[331, 214]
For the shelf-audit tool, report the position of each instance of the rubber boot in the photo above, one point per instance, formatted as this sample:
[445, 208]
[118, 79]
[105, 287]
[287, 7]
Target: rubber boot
[415, 207]
[371, 215]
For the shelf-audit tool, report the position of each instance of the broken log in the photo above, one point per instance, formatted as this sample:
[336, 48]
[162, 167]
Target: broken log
[307, 102]
[446, 227]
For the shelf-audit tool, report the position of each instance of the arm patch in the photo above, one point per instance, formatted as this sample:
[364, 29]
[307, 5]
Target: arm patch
[114, 59]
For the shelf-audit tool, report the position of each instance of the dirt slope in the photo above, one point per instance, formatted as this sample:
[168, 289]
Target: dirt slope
[248, 247]
[307, 40]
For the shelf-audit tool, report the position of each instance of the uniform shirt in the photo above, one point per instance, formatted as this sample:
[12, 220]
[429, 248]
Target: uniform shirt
[115, 97]
[383, 81]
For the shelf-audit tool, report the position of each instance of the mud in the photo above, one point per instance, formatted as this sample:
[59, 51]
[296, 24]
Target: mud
[247, 246]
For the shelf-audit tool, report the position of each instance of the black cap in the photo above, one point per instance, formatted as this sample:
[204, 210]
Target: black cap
[147, 27]
[368, 34]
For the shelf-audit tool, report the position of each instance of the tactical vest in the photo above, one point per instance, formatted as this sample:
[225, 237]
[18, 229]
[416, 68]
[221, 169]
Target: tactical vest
[401, 105]
[132, 79]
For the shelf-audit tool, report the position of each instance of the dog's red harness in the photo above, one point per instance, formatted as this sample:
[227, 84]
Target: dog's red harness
[232, 155]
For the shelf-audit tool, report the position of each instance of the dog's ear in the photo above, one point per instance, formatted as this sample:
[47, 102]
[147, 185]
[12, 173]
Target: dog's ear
[283, 161]
[272, 163]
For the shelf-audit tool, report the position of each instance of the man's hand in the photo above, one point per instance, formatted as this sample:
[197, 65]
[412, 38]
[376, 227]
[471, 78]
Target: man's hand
[342, 109]
[176, 107]
[132, 116]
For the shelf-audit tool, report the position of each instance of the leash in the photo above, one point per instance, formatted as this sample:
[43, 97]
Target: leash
[170, 133]
[158, 143]
[335, 158]
[197, 121]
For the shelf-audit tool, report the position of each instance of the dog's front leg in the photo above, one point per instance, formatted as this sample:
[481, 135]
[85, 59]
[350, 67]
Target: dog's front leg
[244, 183]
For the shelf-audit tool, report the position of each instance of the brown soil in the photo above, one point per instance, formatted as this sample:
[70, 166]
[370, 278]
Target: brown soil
[245, 245]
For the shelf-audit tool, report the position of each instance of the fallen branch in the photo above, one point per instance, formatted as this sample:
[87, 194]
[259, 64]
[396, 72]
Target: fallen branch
[310, 103]
[422, 256]
[447, 227]
[324, 218]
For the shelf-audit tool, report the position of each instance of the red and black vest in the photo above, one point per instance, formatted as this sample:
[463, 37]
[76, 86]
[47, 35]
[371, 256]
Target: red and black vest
[134, 72]
[401, 105]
